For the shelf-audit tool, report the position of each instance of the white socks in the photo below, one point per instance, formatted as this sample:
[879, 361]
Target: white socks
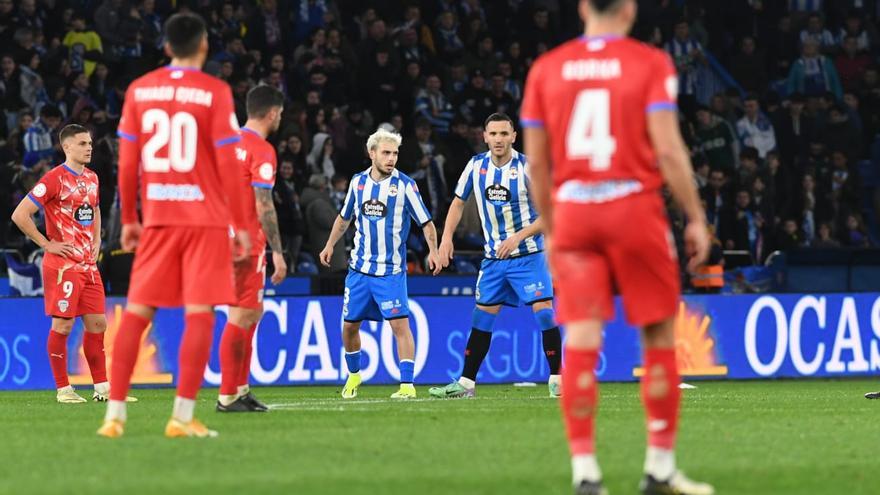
[102, 388]
[243, 390]
[227, 399]
[585, 467]
[660, 463]
[467, 383]
[115, 410]
[183, 409]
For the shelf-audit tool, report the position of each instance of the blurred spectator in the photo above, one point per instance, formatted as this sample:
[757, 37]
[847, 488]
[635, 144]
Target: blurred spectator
[83, 46]
[716, 139]
[815, 32]
[748, 67]
[825, 237]
[433, 106]
[851, 63]
[687, 53]
[423, 158]
[320, 159]
[290, 218]
[320, 215]
[39, 140]
[813, 73]
[755, 129]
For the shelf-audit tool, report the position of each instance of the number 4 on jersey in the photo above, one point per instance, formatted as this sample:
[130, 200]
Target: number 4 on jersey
[589, 130]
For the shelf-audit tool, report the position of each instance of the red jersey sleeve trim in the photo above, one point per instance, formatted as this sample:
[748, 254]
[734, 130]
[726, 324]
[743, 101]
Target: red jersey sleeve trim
[229, 140]
[660, 106]
[262, 185]
[36, 201]
[532, 123]
[126, 136]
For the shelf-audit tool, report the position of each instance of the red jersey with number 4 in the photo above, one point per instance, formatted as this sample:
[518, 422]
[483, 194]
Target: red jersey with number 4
[593, 95]
[259, 165]
[70, 203]
[180, 118]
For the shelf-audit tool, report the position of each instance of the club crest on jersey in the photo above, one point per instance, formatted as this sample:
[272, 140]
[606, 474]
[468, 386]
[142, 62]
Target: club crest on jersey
[497, 194]
[63, 305]
[374, 210]
[40, 190]
[513, 173]
[85, 214]
[82, 187]
[392, 190]
[266, 171]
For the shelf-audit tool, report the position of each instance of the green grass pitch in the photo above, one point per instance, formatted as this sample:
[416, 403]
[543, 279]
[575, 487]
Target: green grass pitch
[775, 437]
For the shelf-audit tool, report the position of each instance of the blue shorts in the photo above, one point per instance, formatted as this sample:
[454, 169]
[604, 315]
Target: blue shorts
[514, 281]
[374, 298]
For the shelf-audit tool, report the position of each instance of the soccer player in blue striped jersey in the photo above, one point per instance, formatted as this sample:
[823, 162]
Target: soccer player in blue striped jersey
[380, 201]
[514, 270]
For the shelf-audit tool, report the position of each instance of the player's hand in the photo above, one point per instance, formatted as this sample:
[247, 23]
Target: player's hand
[325, 255]
[508, 246]
[131, 235]
[446, 252]
[435, 263]
[280, 268]
[63, 249]
[696, 244]
[96, 249]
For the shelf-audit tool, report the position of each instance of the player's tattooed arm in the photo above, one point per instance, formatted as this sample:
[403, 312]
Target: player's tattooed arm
[430, 231]
[268, 218]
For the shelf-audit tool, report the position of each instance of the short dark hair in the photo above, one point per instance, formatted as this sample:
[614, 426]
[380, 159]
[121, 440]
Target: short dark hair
[498, 117]
[604, 5]
[752, 97]
[69, 131]
[50, 111]
[184, 33]
[262, 99]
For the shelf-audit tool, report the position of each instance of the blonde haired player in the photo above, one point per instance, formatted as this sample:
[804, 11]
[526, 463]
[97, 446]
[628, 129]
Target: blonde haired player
[380, 202]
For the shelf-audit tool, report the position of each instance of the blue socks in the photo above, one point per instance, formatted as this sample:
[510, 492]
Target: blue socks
[483, 320]
[353, 360]
[546, 319]
[407, 368]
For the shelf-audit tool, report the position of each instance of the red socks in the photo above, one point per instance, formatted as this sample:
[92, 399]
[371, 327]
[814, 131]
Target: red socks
[125, 353]
[661, 396]
[195, 351]
[232, 354]
[93, 348]
[245, 371]
[580, 399]
[56, 346]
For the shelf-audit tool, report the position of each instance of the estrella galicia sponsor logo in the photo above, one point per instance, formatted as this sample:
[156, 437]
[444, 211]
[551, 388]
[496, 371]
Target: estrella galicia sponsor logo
[85, 214]
[536, 288]
[498, 195]
[374, 210]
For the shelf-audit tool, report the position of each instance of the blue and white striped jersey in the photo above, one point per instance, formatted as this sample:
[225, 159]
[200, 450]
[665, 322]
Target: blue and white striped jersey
[381, 212]
[503, 201]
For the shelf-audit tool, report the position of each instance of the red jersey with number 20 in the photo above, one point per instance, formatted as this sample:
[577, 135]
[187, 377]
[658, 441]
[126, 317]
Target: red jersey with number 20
[258, 167]
[70, 203]
[593, 95]
[180, 118]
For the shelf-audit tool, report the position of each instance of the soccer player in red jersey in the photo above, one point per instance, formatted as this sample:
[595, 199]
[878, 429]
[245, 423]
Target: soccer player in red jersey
[68, 196]
[601, 131]
[258, 165]
[176, 133]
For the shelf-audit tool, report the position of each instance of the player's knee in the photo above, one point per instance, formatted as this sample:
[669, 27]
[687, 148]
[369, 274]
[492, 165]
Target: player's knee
[99, 325]
[62, 325]
[400, 327]
[483, 317]
[545, 316]
[351, 328]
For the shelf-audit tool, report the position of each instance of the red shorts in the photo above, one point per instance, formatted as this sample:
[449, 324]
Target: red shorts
[625, 243]
[175, 266]
[250, 280]
[69, 294]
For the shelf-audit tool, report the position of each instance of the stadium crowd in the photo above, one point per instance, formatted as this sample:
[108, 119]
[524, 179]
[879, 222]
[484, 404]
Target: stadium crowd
[780, 99]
